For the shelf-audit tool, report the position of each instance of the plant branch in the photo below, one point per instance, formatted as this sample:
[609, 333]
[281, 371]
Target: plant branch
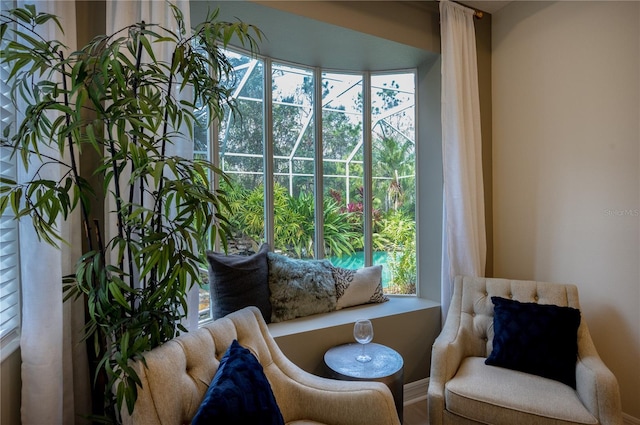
[163, 149]
[116, 180]
[74, 165]
[135, 83]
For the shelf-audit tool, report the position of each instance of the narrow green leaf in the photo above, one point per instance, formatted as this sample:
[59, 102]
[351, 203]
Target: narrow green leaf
[22, 14]
[147, 46]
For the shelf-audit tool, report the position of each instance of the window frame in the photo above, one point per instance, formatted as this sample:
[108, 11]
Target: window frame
[268, 153]
[268, 149]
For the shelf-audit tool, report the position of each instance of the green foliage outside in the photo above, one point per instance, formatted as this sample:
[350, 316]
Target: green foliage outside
[398, 231]
[394, 231]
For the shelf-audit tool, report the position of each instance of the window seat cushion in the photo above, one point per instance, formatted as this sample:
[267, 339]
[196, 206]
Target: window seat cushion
[397, 305]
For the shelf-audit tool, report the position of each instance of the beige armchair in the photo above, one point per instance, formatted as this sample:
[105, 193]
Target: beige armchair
[464, 390]
[178, 374]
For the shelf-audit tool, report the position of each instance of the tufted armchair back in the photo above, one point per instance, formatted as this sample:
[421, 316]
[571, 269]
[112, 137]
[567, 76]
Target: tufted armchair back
[178, 373]
[472, 297]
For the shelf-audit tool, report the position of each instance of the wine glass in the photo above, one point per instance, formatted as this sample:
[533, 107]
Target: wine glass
[363, 333]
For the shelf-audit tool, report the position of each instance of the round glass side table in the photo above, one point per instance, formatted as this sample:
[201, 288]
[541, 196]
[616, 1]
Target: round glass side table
[386, 366]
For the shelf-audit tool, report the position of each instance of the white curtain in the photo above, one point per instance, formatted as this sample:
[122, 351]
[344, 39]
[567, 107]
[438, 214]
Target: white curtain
[464, 237]
[55, 381]
[121, 13]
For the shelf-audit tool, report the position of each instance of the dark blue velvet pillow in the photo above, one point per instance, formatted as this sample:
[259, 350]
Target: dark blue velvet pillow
[239, 393]
[535, 338]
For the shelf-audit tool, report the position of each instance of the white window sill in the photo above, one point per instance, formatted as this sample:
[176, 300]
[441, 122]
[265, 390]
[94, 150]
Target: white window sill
[397, 304]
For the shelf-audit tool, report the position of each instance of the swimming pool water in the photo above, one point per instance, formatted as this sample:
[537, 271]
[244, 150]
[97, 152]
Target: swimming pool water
[356, 261]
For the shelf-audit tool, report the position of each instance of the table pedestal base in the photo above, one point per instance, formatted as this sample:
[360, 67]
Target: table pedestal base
[386, 366]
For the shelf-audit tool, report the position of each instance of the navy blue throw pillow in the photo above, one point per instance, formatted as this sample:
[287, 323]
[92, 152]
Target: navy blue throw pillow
[239, 393]
[535, 338]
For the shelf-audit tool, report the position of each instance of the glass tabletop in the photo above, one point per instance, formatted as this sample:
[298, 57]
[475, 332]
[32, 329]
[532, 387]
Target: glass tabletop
[384, 361]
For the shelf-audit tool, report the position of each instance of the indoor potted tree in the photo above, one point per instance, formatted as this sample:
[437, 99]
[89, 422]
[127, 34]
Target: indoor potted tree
[135, 281]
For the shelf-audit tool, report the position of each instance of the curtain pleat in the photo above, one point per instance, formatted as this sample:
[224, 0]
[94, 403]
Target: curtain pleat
[55, 381]
[464, 236]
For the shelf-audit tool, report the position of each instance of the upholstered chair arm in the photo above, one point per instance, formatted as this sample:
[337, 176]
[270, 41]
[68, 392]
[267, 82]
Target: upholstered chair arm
[446, 355]
[306, 397]
[596, 385]
[302, 396]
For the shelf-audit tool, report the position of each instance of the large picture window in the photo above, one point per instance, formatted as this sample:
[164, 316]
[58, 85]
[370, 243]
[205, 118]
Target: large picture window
[307, 137]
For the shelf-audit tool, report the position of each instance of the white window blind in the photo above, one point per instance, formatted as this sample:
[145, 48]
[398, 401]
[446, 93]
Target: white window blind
[9, 252]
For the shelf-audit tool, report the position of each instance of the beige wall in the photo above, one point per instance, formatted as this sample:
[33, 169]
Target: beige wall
[483, 47]
[566, 135]
[10, 389]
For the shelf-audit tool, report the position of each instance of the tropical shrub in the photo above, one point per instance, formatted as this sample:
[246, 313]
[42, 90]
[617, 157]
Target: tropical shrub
[394, 231]
[294, 221]
[397, 231]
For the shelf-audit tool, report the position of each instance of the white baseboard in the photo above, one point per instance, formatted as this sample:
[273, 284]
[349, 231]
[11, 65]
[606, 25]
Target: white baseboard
[628, 419]
[416, 391]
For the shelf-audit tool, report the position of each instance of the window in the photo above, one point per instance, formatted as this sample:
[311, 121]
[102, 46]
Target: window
[353, 153]
[9, 256]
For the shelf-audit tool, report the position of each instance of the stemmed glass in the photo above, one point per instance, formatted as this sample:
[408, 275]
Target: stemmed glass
[363, 333]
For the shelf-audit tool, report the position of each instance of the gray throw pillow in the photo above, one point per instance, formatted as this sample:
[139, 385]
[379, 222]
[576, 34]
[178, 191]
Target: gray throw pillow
[300, 287]
[239, 281]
